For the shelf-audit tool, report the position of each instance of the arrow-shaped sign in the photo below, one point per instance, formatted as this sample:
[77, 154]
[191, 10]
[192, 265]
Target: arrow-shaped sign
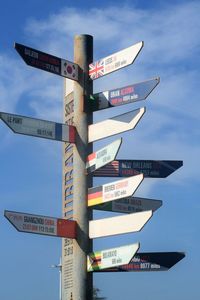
[114, 61]
[123, 95]
[150, 168]
[118, 225]
[115, 125]
[39, 128]
[29, 223]
[103, 156]
[130, 205]
[155, 261]
[111, 257]
[48, 62]
[114, 190]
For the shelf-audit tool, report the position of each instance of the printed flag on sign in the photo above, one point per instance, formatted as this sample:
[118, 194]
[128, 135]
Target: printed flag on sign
[96, 69]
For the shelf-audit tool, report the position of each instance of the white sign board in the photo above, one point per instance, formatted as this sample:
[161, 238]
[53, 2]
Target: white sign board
[39, 128]
[111, 257]
[114, 190]
[114, 61]
[41, 224]
[115, 125]
[103, 156]
[118, 225]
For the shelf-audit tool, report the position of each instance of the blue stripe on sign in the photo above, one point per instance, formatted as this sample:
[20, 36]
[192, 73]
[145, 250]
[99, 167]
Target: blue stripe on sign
[58, 131]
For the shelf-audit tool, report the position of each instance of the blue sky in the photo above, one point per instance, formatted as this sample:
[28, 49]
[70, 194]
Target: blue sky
[31, 168]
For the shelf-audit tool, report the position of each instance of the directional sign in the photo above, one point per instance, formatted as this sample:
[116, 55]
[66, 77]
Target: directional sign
[118, 225]
[115, 125]
[42, 225]
[103, 156]
[130, 205]
[111, 257]
[47, 62]
[114, 190]
[123, 95]
[150, 168]
[155, 261]
[115, 61]
[39, 128]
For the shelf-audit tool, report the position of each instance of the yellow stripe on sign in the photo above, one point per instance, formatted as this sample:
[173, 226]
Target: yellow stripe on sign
[95, 201]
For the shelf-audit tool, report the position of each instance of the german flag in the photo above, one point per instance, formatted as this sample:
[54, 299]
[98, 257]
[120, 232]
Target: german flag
[95, 195]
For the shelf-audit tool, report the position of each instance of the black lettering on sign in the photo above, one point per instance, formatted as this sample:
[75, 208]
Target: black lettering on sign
[109, 254]
[44, 132]
[106, 158]
[108, 60]
[109, 188]
[15, 120]
[101, 153]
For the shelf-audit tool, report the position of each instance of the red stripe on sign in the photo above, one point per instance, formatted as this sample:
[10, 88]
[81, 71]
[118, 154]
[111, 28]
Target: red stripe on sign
[114, 163]
[95, 195]
[66, 228]
[110, 169]
[91, 157]
[72, 134]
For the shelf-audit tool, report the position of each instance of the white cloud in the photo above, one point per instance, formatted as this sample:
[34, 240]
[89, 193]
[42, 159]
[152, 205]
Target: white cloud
[172, 32]
[13, 83]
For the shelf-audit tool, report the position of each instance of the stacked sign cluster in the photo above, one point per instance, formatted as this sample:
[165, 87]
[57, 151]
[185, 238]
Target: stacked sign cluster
[117, 196]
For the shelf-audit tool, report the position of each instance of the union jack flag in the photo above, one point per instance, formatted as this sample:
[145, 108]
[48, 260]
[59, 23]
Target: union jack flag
[96, 69]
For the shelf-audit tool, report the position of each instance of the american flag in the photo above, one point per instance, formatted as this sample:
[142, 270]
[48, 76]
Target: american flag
[96, 69]
[110, 170]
